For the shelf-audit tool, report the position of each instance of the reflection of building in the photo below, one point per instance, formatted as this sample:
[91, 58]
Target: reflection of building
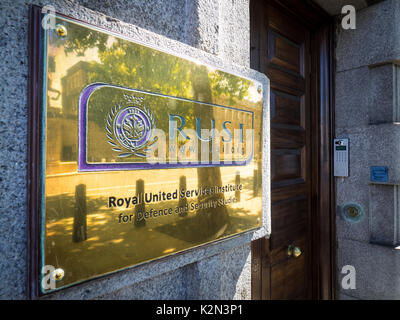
[72, 84]
[62, 124]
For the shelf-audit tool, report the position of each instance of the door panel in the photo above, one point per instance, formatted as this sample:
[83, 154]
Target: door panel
[286, 109]
[283, 52]
[284, 56]
[288, 279]
[288, 226]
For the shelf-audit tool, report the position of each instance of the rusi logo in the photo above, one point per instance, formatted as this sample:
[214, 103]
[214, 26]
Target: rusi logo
[198, 146]
[146, 130]
[129, 130]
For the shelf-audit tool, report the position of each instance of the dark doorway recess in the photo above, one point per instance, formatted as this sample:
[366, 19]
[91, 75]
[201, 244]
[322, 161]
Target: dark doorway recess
[291, 42]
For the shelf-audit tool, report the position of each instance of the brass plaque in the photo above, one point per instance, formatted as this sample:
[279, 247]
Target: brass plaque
[145, 153]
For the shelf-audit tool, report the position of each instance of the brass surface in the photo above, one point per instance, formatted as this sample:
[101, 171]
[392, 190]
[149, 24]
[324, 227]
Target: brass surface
[85, 207]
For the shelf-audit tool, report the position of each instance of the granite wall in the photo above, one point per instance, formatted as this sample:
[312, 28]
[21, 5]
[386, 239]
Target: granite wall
[213, 31]
[367, 112]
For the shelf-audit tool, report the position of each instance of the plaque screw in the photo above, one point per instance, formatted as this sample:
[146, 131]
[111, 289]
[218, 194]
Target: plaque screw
[61, 30]
[259, 89]
[58, 274]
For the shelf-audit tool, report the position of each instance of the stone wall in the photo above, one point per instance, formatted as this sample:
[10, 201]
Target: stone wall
[367, 112]
[220, 32]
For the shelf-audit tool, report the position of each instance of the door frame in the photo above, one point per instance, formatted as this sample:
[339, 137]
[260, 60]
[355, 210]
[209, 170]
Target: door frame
[323, 266]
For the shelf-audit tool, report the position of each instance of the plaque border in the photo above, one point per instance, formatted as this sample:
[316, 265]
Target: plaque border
[35, 126]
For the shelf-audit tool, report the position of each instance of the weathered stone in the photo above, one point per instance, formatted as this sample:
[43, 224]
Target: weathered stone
[384, 94]
[376, 269]
[374, 40]
[351, 110]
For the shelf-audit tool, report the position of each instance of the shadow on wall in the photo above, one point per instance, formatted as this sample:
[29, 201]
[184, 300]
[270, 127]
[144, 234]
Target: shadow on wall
[208, 279]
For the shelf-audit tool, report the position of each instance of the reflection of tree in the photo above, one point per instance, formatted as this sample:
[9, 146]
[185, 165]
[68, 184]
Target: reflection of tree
[80, 39]
[211, 221]
[138, 67]
[135, 66]
[128, 64]
[229, 86]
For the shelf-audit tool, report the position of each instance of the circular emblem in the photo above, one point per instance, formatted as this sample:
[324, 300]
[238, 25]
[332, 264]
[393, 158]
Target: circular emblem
[132, 128]
[129, 130]
[352, 212]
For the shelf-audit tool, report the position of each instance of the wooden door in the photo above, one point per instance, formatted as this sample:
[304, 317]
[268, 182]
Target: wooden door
[281, 48]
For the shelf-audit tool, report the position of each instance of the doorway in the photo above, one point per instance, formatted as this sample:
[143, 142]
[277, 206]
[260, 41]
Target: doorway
[291, 42]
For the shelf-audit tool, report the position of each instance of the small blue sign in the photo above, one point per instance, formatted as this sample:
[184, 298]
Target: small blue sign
[379, 174]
